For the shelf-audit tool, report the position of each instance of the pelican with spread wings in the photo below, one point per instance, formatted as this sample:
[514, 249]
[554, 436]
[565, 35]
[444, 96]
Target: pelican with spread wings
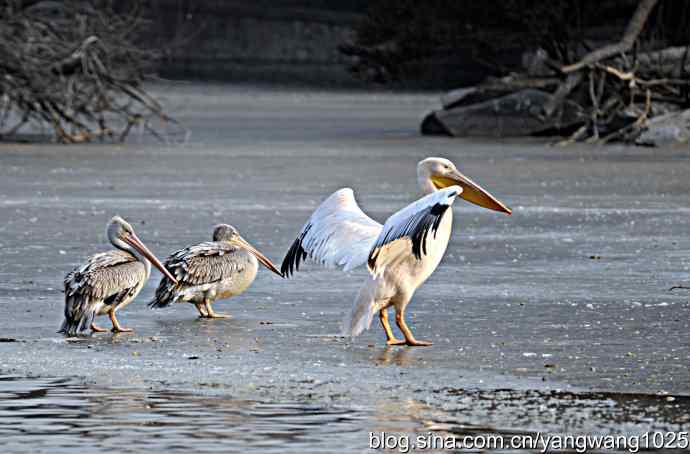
[400, 254]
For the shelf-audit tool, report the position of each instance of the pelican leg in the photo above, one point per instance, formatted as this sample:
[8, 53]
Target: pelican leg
[97, 329]
[211, 313]
[202, 311]
[409, 338]
[117, 328]
[390, 337]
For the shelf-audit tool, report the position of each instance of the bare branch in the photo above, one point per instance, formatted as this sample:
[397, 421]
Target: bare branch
[633, 30]
[80, 74]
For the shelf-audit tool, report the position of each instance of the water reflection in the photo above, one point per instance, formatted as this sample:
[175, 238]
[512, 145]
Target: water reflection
[58, 415]
[529, 412]
[404, 356]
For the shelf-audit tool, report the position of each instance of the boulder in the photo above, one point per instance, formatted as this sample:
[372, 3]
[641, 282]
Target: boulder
[669, 129]
[455, 97]
[515, 114]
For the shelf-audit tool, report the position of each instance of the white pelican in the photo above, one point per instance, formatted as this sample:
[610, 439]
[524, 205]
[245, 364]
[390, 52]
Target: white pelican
[108, 281]
[217, 269]
[400, 255]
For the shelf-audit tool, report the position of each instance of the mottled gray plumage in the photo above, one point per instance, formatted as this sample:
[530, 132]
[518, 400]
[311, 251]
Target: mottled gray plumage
[207, 271]
[206, 263]
[106, 281]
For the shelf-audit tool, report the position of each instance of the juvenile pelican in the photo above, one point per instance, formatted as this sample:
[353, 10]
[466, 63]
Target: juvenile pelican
[108, 281]
[217, 269]
[400, 255]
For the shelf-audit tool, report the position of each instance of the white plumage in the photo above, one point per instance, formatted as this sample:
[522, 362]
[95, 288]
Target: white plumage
[407, 230]
[338, 233]
[400, 255]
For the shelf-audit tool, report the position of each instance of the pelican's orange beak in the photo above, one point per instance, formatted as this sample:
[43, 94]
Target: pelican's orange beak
[134, 241]
[259, 256]
[471, 191]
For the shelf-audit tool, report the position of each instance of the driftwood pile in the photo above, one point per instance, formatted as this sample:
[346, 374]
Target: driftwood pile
[610, 94]
[74, 67]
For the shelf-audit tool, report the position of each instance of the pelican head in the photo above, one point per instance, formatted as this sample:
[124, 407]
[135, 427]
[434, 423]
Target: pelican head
[438, 173]
[229, 234]
[121, 234]
[224, 232]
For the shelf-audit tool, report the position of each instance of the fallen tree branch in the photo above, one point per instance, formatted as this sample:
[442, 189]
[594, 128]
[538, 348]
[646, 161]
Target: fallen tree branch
[617, 72]
[564, 89]
[612, 93]
[633, 30]
[633, 130]
[81, 74]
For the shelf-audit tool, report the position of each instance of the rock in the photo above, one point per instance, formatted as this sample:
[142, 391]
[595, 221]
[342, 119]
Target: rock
[669, 129]
[515, 114]
[431, 126]
[453, 97]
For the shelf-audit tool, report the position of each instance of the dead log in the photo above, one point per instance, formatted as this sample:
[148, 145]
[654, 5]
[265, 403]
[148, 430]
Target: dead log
[612, 93]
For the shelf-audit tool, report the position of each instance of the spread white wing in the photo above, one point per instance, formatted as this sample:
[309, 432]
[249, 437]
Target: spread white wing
[407, 230]
[338, 233]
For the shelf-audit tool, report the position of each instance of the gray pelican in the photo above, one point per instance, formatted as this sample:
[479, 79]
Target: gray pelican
[218, 269]
[108, 281]
[400, 255]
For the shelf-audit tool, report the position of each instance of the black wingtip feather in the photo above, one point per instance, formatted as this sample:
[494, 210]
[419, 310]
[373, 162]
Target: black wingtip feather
[295, 255]
[292, 259]
[429, 222]
[418, 228]
[372, 259]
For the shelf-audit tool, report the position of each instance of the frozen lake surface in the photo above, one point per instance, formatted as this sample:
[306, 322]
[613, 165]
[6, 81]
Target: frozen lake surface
[556, 319]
